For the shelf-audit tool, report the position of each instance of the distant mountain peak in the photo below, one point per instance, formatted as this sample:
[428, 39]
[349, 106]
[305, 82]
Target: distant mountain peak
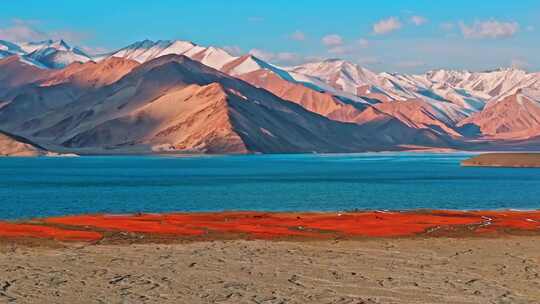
[505, 69]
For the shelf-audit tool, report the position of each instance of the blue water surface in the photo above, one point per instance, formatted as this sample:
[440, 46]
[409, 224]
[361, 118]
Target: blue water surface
[40, 187]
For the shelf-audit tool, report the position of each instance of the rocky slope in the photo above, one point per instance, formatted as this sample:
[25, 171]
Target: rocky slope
[516, 116]
[175, 104]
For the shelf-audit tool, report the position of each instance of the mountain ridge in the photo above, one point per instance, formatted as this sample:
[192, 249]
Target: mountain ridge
[378, 111]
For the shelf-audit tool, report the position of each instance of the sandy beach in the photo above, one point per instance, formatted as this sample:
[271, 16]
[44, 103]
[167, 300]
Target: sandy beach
[252, 257]
[404, 270]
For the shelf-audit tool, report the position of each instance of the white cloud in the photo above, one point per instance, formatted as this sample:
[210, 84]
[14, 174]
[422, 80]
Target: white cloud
[368, 61]
[280, 57]
[26, 30]
[530, 28]
[255, 19]
[262, 54]
[447, 26]
[349, 49]
[332, 40]
[386, 26]
[287, 57]
[363, 43]
[21, 31]
[314, 58]
[519, 63]
[340, 50]
[418, 20]
[410, 64]
[489, 29]
[95, 50]
[298, 36]
[233, 50]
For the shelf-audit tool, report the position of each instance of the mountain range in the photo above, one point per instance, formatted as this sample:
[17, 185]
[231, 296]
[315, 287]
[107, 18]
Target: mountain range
[180, 97]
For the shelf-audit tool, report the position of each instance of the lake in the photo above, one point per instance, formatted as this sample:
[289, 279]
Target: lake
[41, 187]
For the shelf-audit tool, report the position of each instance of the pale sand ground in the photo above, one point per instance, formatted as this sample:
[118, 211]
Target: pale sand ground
[436, 270]
[519, 160]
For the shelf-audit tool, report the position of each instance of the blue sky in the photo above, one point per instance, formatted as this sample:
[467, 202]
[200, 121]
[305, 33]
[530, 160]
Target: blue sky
[384, 35]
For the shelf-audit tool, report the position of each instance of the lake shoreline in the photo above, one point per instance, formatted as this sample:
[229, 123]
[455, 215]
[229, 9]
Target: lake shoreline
[89, 185]
[196, 155]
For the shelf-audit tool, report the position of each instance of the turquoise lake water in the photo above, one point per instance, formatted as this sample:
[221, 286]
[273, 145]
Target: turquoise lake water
[39, 187]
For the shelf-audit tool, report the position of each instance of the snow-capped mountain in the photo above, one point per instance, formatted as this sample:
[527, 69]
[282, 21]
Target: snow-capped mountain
[175, 104]
[8, 48]
[353, 79]
[53, 54]
[490, 83]
[439, 99]
[146, 50]
[471, 91]
[220, 59]
[247, 64]
[463, 106]
[29, 47]
[340, 74]
[516, 116]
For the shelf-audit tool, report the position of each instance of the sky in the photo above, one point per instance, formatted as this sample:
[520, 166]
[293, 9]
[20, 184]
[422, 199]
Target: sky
[383, 35]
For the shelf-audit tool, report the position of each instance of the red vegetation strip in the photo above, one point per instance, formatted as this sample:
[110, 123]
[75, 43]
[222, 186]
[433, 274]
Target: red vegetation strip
[145, 223]
[271, 225]
[525, 221]
[13, 230]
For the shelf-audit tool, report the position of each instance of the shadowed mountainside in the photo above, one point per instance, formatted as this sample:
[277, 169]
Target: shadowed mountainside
[172, 104]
